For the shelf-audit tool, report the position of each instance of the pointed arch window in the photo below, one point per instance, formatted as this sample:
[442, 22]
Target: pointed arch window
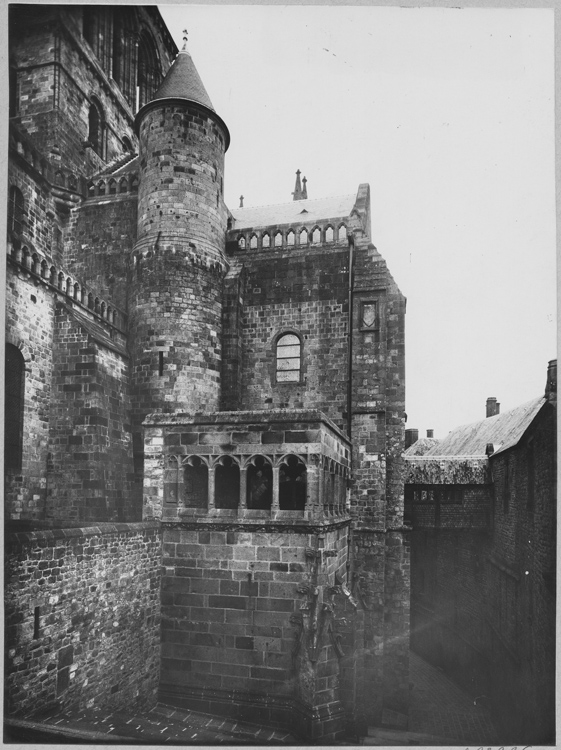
[289, 358]
[16, 210]
[13, 416]
[96, 128]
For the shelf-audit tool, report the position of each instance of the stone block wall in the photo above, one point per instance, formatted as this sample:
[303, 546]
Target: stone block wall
[236, 605]
[58, 74]
[30, 327]
[99, 241]
[82, 618]
[90, 443]
[38, 228]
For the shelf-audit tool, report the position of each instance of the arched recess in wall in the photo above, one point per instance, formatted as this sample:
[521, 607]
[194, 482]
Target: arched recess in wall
[14, 385]
[149, 71]
[292, 484]
[195, 485]
[97, 127]
[226, 483]
[259, 483]
[16, 210]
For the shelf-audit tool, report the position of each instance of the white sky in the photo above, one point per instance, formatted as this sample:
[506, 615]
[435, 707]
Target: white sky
[448, 114]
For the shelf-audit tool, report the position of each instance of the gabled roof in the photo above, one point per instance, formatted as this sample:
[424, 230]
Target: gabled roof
[295, 212]
[503, 431]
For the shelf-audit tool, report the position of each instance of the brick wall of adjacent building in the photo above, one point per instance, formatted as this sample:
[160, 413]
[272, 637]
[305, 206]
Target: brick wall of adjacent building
[90, 472]
[483, 583]
[82, 618]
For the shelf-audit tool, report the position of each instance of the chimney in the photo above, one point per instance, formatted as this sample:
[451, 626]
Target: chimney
[411, 436]
[491, 407]
[551, 383]
[430, 433]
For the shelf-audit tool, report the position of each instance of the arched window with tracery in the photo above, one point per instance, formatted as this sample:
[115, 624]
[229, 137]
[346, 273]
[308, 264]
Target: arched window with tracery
[96, 29]
[226, 483]
[16, 210]
[14, 385]
[259, 484]
[96, 128]
[289, 358]
[292, 484]
[149, 73]
[123, 52]
[195, 483]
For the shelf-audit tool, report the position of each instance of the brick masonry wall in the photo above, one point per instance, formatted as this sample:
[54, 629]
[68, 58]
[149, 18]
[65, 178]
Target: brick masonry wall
[30, 327]
[98, 243]
[82, 618]
[229, 599]
[91, 472]
[57, 75]
[38, 228]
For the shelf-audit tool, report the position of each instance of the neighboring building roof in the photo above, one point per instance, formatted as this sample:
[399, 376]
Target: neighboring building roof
[421, 446]
[295, 212]
[502, 430]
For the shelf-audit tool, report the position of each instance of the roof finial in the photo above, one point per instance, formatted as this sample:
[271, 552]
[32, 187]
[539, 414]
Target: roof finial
[298, 195]
[304, 189]
[241, 201]
[184, 48]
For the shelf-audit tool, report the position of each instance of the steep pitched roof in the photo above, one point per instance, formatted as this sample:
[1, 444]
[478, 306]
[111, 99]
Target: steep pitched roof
[295, 212]
[183, 81]
[503, 430]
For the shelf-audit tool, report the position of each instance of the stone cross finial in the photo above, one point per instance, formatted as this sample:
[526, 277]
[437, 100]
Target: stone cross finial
[184, 48]
[241, 201]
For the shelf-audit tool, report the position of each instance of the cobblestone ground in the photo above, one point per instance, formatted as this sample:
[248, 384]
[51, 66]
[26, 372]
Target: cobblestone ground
[161, 725]
[440, 708]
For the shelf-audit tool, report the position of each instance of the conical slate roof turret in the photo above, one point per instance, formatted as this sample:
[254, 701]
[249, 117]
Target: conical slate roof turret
[182, 83]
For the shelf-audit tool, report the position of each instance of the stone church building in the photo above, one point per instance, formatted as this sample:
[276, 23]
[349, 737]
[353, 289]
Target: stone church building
[204, 406]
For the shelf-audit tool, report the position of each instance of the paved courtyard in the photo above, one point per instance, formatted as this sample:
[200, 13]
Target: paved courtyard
[440, 713]
[442, 709]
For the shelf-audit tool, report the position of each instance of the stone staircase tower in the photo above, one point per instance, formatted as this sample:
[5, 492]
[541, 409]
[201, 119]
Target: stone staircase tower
[178, 265]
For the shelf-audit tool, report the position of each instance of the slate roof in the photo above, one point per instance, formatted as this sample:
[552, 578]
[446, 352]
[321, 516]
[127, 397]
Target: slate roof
[503, 430]
[120, 166]
[421, 446]
[183, 81]
[338, 207]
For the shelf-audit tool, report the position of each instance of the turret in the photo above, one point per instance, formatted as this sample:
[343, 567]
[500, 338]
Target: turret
[178, 264]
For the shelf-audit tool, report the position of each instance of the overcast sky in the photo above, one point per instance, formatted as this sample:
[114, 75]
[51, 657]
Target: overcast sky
[448, 114]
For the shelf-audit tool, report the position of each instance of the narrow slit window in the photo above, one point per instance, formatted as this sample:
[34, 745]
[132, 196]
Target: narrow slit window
[161, 363]
[36, 622]
[289, 358]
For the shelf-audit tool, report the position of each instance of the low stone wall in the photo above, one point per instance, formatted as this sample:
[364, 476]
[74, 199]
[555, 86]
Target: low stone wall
[82, 617]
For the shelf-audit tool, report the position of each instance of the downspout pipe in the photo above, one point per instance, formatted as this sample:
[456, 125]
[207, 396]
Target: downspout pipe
[350, 336]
